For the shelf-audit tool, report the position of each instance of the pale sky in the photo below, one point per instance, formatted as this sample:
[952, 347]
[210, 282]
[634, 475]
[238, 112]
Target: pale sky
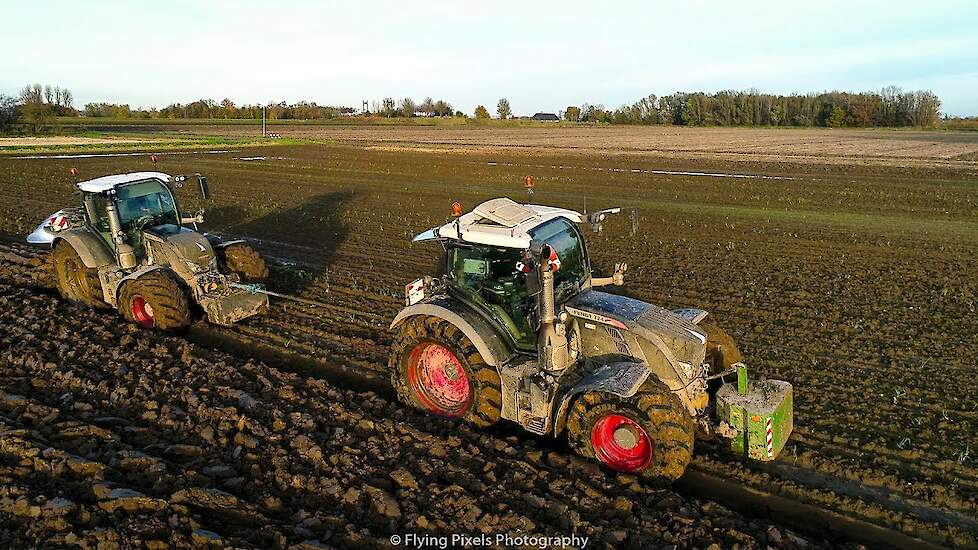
[541, 55]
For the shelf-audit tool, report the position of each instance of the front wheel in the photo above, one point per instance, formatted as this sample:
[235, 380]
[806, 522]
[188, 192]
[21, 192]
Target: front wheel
[155, 300]
[244, 260]
[649, 434]
[436, 368]
[721, 349]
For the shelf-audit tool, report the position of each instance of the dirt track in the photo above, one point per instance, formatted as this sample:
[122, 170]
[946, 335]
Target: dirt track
[110, 435]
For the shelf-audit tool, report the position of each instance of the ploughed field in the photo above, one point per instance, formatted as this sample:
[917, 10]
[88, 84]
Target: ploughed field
[855, 282]
[113, 437]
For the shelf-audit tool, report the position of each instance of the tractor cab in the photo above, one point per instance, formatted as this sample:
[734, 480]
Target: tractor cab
[489, 264]
[143, 202]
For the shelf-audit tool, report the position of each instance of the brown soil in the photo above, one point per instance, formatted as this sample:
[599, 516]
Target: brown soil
[112, 436]
[851, 281]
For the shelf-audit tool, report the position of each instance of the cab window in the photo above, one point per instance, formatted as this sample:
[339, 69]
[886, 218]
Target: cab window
[145, 204]
[492, 278]
[566, 241]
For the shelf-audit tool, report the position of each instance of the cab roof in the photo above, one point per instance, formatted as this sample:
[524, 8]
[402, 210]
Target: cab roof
[104, 183]
[498, 222]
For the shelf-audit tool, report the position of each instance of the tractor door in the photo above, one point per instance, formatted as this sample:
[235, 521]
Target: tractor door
[98, 219]
[493, 279]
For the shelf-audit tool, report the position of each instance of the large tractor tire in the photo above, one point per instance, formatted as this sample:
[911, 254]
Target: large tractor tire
[244, 260]
[75, 281]
[721, 349]
[155, 300]
[436, 368]
[649, 434]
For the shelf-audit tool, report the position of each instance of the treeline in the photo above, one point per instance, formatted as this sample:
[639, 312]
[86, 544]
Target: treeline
[891, 106]
[303, 110]
[36, 107]
[208, 108]
[407, 107]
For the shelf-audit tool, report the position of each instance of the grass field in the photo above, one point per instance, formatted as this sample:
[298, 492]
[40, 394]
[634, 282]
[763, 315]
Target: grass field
[842, 261]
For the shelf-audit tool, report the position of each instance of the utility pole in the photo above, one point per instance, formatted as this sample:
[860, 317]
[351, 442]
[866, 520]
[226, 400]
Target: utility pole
[263, 121]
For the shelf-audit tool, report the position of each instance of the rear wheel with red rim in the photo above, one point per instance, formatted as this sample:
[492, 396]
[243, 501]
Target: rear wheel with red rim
[438, 380]
[649, 434]
[435, 367]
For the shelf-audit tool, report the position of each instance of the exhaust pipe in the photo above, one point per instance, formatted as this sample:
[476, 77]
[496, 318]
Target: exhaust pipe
[551, 343]
[125, 254]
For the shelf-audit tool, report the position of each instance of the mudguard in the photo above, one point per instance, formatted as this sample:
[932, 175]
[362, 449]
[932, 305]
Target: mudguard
[217, 243]
[90, 247]
[112, 294]
[691, 314]
[622, 379]
[487, 340]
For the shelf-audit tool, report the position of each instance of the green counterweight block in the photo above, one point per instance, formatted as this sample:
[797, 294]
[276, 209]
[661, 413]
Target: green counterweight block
[762, 417]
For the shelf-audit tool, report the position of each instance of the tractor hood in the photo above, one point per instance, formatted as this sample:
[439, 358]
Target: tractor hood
[192, 247]
[683, 340]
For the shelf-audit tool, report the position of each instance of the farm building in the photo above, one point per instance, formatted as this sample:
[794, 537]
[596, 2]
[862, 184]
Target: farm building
[545, 116]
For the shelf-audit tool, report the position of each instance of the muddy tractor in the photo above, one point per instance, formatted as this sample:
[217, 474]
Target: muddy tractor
[128, 247]
[515, 328]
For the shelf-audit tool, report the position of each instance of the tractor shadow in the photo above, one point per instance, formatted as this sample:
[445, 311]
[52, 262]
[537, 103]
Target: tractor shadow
[299, 244]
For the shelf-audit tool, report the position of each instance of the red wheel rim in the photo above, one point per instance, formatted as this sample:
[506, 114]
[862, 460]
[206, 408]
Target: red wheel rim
[621, 443]
[142, 312]
[438, 380]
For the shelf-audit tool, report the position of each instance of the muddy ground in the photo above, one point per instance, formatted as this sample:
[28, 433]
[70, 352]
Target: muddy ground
[112, 436]
[853, 282]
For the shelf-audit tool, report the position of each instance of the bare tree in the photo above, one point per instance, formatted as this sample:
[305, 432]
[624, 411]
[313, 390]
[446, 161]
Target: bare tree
[427, 106]
[408, 107]
[32, 94]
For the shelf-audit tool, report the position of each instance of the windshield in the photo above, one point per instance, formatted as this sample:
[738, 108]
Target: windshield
[565, 240]
[145, 204]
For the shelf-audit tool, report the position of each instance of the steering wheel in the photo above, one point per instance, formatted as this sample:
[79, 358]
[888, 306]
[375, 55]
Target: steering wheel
[142, 221]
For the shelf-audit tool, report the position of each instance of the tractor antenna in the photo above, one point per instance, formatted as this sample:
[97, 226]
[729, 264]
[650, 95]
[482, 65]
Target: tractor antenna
[528, 184]
[154, 159]
[74, 174]
[634, 221]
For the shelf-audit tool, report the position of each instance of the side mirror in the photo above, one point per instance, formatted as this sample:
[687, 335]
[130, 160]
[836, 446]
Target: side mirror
[594, 219]
[204, 190]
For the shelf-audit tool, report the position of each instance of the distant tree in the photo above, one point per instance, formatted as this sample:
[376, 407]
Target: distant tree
[32, 94]
[408, 108]
[389, 107]
[37, 115]
[427, 107]
[572, 113]
[837, 118]
[460, 114]
[443, 108]
[926, 109]
[481, 112]
[228, 110]
[9, 111]
[503, 110]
